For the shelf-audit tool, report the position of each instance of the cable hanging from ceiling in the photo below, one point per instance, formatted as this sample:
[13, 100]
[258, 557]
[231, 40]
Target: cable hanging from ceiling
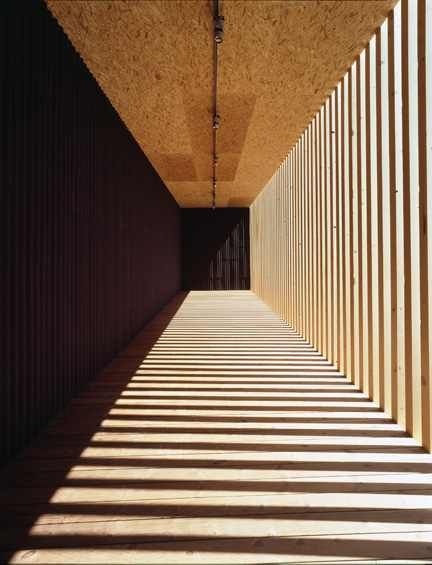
[218, 28]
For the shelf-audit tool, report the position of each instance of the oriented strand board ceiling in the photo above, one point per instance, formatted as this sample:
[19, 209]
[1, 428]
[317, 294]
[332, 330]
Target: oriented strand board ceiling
[278, 62]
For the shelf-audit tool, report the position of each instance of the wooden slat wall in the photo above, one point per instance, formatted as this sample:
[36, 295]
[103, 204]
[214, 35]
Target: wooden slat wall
[340, 243]
[90, 235]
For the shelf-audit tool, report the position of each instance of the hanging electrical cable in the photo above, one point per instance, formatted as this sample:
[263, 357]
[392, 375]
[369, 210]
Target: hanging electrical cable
[218, 22]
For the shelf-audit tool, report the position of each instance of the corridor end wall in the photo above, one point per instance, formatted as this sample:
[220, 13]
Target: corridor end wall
[215, 249]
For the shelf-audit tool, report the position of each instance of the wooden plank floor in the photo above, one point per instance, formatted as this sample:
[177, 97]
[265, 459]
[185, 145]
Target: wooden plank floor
[219, 436]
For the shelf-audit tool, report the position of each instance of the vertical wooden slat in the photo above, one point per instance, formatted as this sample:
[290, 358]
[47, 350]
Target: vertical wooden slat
[310, 238]
[287, 241]
[293, 221]
[326, 348]
[403, 215]
[282, 254]
[297, 235]
[319, 231]
[425, 203]
[295, 242]
[298, 242]
[346, 225]
[305, 249]
[289, 251]
[310, 244]
[335, 228]
[407, 289]
[277, 243]
[305, 236]
[393, 228]
[352, 227]
[358, 224]
[331, 227]
[341, 228]
[281, 237]
[362, 231]
[368, 199]
[314, 235]
[400, 231]
[375, 257]
[386, 219]
[380, 221]
[293, 237]
[329, 230]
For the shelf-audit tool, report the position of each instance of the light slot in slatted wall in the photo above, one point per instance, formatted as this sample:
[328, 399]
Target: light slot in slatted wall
[341, 235]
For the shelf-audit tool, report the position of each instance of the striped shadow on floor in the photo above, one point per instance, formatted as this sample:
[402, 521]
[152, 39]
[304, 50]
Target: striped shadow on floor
[219, 436]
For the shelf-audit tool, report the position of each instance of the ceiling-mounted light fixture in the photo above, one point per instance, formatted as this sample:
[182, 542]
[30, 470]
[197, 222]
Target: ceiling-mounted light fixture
[216, 121]
[214, 195]
[219, 28]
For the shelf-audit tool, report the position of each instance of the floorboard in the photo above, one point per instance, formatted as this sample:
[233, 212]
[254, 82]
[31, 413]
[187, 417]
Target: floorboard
[219, 436]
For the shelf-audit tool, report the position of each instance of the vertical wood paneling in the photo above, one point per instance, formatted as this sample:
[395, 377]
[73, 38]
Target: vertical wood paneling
[90, 235]
[359, 222]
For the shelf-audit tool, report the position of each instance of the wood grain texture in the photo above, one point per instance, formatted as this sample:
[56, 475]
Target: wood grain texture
[219, 435]
[278, 62]
[373, 201]
[85, 259]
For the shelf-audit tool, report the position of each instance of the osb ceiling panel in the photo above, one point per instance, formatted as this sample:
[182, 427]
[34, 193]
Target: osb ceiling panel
[278, 62]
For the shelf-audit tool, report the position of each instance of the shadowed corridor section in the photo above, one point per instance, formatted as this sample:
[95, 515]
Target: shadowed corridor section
[219, 436]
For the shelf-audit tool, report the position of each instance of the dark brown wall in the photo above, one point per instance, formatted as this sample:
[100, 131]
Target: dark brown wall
[90, 236]
[215, 249]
